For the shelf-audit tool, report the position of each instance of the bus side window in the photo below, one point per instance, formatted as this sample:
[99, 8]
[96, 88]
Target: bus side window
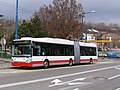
[35, 51]
[70, 52]
[43, 52]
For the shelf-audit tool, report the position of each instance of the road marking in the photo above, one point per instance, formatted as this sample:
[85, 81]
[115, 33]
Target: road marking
[70, 87]
[50, 78]
[56, 81]
[80, 79]
[76, 89]
[68, 82]
[114, 77]
[118, 68]
[78, 83]
[117, 89]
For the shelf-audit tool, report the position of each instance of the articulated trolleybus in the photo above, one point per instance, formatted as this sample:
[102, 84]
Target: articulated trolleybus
[31, 52]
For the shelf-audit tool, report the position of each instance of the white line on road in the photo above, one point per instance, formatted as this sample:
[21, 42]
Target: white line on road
[54, 77]
[69, 82]
[117, 89]
[79, 83]
[76, 89]
[118, 68]
[114, 77]
[70, 87]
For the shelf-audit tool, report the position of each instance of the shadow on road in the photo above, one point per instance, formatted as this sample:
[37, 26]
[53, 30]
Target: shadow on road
[41, 67]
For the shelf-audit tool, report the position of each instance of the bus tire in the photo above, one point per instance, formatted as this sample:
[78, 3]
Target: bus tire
[91, 61]
[70, 62]
[46, 64]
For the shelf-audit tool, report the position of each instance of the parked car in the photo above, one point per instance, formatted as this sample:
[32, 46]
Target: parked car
[112, 55]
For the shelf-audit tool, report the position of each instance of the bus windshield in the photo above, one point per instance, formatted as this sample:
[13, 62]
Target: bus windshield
[21, 50]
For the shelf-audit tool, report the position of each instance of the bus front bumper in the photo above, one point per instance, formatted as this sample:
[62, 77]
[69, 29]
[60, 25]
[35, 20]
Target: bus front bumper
[24, 64]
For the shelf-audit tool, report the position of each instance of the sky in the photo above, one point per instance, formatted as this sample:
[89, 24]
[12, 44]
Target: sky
[107, 11]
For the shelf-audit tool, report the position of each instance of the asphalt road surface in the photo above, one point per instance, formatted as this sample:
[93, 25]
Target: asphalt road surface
[98, 76]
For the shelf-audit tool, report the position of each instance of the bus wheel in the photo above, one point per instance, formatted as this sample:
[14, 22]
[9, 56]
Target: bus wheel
[70, 62]
[91, 61]
[46, 64]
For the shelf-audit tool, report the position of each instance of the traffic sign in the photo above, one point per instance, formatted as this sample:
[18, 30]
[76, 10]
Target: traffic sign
[3, 41]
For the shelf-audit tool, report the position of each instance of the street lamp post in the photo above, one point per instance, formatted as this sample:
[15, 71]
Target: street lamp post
[16, 28]
[82, 26]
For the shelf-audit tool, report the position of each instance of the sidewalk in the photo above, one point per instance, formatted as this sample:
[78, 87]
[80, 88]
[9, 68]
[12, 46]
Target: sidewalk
[5, 63]
[5, 60]
[101, 59]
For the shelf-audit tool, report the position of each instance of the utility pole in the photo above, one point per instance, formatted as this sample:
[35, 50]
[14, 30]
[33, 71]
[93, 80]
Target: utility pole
[1, 39]
[16, 28]
[83, 15]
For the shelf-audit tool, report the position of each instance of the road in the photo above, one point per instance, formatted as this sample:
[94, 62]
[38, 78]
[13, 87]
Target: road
[98, 76]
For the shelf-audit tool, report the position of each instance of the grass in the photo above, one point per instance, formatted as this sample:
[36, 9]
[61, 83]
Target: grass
[103, 52]
[4, 55]
[118, 53]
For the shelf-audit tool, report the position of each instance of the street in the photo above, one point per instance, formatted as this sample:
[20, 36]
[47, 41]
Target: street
[102, 75]
[59, 45]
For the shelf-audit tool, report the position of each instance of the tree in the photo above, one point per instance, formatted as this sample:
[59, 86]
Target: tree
[61, 19]
[7, 28]
[31, 28]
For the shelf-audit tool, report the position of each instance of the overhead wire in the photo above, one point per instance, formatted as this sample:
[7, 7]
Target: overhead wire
[21, 9]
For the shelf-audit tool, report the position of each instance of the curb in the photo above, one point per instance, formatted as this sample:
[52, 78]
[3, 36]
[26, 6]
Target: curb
[4, 66]
[100, 59]
[5, 60]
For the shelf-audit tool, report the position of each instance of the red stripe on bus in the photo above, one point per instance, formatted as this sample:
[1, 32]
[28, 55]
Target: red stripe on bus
[42, 62]
[37, 62]
[21, 64]
[58, 61]
[26, 64]
[85, 60]
[88, 60]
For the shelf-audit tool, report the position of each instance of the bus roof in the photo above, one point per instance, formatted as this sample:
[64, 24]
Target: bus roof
[88, 44]
[47, 40]
[56, 41]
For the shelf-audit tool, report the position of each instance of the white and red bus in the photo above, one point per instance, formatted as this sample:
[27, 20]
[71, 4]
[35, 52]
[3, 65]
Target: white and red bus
[31, 52]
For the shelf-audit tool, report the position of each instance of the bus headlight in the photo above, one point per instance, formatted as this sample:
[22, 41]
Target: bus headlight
[13, 59]
[28, 60]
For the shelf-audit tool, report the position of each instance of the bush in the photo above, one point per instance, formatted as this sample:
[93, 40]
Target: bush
[5, 55]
